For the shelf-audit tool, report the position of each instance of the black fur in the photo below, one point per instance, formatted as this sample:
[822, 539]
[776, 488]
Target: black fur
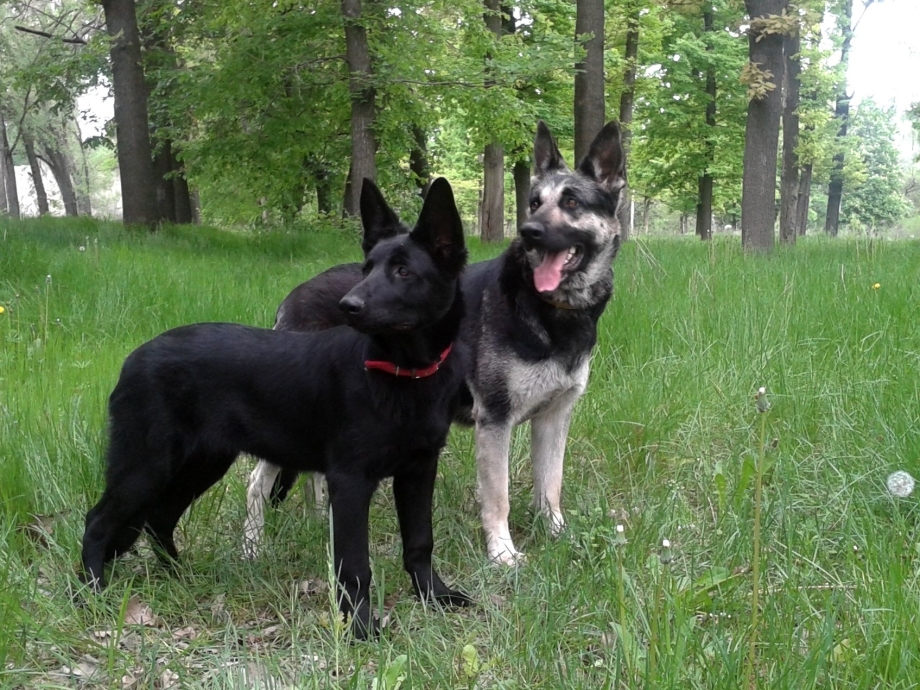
[190, 400]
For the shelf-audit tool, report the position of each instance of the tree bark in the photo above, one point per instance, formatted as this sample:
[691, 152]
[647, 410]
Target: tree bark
[60, 168]
[10, 191]
[83, 189]
[37, 181]
[166, 191]
[842, 115]
[363, 106]
[521, 175]
[804, 199]
[704, 199]
[492, 213]
[761, 134]
[492, 206]
[418, 160]
[589, 75]
[135, 162]
[627, 100]
[789, 182]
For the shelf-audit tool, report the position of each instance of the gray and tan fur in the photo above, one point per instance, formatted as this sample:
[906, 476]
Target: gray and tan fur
[531, 320]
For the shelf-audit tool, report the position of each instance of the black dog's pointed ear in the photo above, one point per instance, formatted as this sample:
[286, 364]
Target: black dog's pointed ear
[546, 156]
[606, 162]
[379, 220]
[439, 228]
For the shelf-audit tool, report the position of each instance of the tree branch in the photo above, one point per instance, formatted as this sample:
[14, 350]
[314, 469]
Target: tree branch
[75, 40]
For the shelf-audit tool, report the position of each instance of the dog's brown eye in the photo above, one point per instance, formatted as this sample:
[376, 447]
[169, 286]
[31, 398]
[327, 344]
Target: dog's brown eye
[402, 271]
[534, 205]
[571, 202]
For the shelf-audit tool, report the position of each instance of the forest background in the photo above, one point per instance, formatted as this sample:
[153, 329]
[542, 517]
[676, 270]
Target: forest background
[249, 114]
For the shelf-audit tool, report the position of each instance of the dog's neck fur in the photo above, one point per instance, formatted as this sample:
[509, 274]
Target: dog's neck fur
[420, 347]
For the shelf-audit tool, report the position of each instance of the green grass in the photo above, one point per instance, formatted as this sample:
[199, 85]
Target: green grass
[665, 442]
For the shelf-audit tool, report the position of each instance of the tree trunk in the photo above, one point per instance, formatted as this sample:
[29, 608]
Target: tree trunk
[84, 202]
[184, 213]
[60, 168]
[492, 213]
[804, 199]
[589, 75]
[492, 206]
[842, 115]
[418, 160]
[135, 162]
[36, 167]
[521, 175]
[9, 173]
[761, 134]
[627, 99]
[704, 201]
[166, 191]
[789, 182]
[363, 106]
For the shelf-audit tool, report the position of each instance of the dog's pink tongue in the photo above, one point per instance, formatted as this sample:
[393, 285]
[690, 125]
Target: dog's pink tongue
[548, 275]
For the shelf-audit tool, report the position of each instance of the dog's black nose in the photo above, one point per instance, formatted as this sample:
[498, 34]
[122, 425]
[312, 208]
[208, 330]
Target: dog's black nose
[532, 231]
[351, 304]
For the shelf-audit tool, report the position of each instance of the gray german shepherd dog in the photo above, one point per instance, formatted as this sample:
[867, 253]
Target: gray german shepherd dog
[531, 321]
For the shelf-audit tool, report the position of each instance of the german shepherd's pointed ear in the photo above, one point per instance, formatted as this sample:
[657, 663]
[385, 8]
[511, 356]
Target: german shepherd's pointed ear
[546, 156]
[439, 229]
[380, 222]
[606, 162]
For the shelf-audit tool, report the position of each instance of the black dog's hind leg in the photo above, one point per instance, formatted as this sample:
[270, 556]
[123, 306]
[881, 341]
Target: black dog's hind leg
[413, 493]
[197, 475]
[350, 498]
[115, 522]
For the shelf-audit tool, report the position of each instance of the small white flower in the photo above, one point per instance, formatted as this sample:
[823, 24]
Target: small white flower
[48, 279]
[900, 484]
[666, 543]
[620, 529]
[761, 399]
[82, 248]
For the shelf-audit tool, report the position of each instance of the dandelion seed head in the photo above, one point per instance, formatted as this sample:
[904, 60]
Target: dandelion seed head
[620, 529]
[666, 543]
[900, 484]
[48, 279]
[82, 248]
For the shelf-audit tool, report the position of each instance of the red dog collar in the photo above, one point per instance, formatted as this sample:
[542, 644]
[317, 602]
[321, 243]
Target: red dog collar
[391, 368]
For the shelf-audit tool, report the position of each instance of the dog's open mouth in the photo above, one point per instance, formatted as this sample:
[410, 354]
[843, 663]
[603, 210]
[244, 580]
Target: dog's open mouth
[549, 274]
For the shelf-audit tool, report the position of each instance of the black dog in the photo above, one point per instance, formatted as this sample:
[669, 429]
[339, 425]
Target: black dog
[356, 406]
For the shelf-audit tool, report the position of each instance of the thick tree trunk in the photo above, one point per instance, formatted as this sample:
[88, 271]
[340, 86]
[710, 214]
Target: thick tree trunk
[589, 75]
[521, 175]
[363, 106]
[37, 180]
[804, 200]
[163, 166]
[492, 205]
[704, 201]
[627, 99]
[9, 173]
[60, 168]
[492, 211]
[789, 182]
[418, 160]
[135, 162]
[761, 134]
[842, 115]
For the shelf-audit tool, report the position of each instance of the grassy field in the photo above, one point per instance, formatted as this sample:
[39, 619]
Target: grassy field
[667, 443]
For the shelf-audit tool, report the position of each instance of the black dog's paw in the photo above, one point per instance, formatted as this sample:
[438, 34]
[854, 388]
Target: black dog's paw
[364, 626]
[454, 598]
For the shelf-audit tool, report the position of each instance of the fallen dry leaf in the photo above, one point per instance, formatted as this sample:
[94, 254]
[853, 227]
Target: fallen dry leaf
[138, 613]
[186, 633]
[313, 586]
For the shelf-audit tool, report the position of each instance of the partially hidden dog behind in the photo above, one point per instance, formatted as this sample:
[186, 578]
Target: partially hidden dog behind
[191, 400]
[531, 323]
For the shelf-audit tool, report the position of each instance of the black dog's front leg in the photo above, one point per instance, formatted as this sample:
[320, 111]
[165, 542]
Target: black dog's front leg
[349, 498]
[413, 492]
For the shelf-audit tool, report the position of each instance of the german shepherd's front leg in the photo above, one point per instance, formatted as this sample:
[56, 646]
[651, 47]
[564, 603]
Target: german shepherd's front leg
[350, 498]
[413, 493]
[493, 441]
[548, 433]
